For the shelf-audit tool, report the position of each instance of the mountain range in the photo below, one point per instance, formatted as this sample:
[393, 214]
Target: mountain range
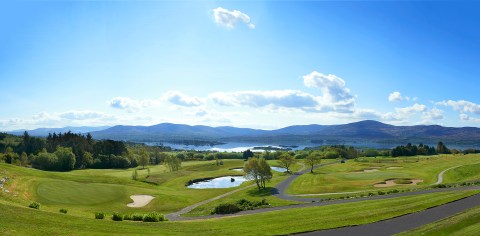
[365, 132]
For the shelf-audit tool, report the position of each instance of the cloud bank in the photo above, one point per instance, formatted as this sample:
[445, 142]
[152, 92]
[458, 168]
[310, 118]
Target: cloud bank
[230, 19]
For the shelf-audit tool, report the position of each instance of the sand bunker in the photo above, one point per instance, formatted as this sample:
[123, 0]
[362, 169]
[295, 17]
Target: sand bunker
[140, 200]
[390, 183]
[370, 170]
[394, 167]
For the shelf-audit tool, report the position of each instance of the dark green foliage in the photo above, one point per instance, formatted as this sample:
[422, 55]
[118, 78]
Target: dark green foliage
[117, 216]
[381, 193]
[440, 186]
[34, 205]
[240, 205]
[153, 217]
[63, 210]
[128, 217]
[99, 215]
[247, 154]
[413, 150]
[137, 217]
[226, 208]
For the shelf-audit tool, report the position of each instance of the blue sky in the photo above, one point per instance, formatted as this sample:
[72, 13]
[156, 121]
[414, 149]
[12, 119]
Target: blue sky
[239, 63]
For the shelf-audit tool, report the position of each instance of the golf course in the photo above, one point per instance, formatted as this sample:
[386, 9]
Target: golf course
[335, 195]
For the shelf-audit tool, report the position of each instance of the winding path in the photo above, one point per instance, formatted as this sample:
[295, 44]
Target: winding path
[440, 175]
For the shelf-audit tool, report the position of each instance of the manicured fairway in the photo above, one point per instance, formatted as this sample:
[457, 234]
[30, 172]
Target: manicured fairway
[74, 193]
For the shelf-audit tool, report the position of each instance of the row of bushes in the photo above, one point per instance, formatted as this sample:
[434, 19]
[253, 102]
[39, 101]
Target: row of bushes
[36, 205]
[149, 217]
[240, 205]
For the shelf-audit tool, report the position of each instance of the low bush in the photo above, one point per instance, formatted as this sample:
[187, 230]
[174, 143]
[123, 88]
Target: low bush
[127, 217]
[440, 186]
[34, 205]
[137, 217]
[63, 210]
[99, 215]
[117, 216]
[226, 208]
[393, 191]
[153, 217]
[381, 193]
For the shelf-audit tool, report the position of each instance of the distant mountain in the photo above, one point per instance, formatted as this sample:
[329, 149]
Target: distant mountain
[367, 131]
[43, 132]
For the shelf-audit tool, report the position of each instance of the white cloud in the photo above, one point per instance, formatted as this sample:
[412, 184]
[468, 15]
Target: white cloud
[229, 19]
[275, 98]
[411, 109]
[395, 97]
[462, 106]
[332, 87]
[181, 99]
[128, 104]
[83, 115]
[433, 114]
[467, 118]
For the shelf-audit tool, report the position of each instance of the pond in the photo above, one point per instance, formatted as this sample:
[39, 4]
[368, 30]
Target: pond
[220, 182]
[274, 168]
[278, 169]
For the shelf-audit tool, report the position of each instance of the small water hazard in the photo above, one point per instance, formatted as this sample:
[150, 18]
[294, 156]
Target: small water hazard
[274, 168]
[220, 182]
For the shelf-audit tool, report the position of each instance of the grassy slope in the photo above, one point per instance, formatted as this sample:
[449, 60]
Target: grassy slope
[465, 223]
[350, 176]
[17, 220]
[86, 191]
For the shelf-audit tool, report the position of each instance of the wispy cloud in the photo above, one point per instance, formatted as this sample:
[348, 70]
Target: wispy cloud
[229, 19]
[181, 99]
[461, 106]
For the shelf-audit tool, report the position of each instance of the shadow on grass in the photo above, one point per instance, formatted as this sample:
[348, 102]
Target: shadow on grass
[260, 193]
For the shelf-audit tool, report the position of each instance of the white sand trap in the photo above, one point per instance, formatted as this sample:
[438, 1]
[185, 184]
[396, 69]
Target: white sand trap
[140, 200]
[390, 183]
[394, 167]
[370, 170]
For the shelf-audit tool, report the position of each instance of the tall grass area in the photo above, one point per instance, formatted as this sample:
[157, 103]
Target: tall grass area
[351, 176]
[465, 223]
[19, 219]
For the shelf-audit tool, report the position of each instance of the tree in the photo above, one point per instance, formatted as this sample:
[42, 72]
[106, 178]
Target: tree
[312, 159]
[66, 158]
[23, 159]
[286, 161]
[442, 149]
[10, 156]
[87, 159]
[173, 162]
[134, 175]
[259, 170]
[144, 158]
[247, 154]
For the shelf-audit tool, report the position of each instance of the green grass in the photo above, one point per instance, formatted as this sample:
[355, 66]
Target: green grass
[463, 173]
[350, 177]
[465, 223]
[20, 219]
[61, 192]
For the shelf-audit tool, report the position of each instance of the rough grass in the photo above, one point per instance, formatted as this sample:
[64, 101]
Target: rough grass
[20, 219]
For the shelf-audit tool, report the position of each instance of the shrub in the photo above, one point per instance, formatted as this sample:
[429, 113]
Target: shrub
[393, 191]
[153, 217]
[226, 208]
[441, 186]
[127, 217]
[117, 216]
[381, 193]
[63, 210]
[34, 205]
[137, 217]
[99, 215]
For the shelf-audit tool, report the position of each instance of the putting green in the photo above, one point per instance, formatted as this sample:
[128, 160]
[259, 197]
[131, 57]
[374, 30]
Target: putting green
[74, 193]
